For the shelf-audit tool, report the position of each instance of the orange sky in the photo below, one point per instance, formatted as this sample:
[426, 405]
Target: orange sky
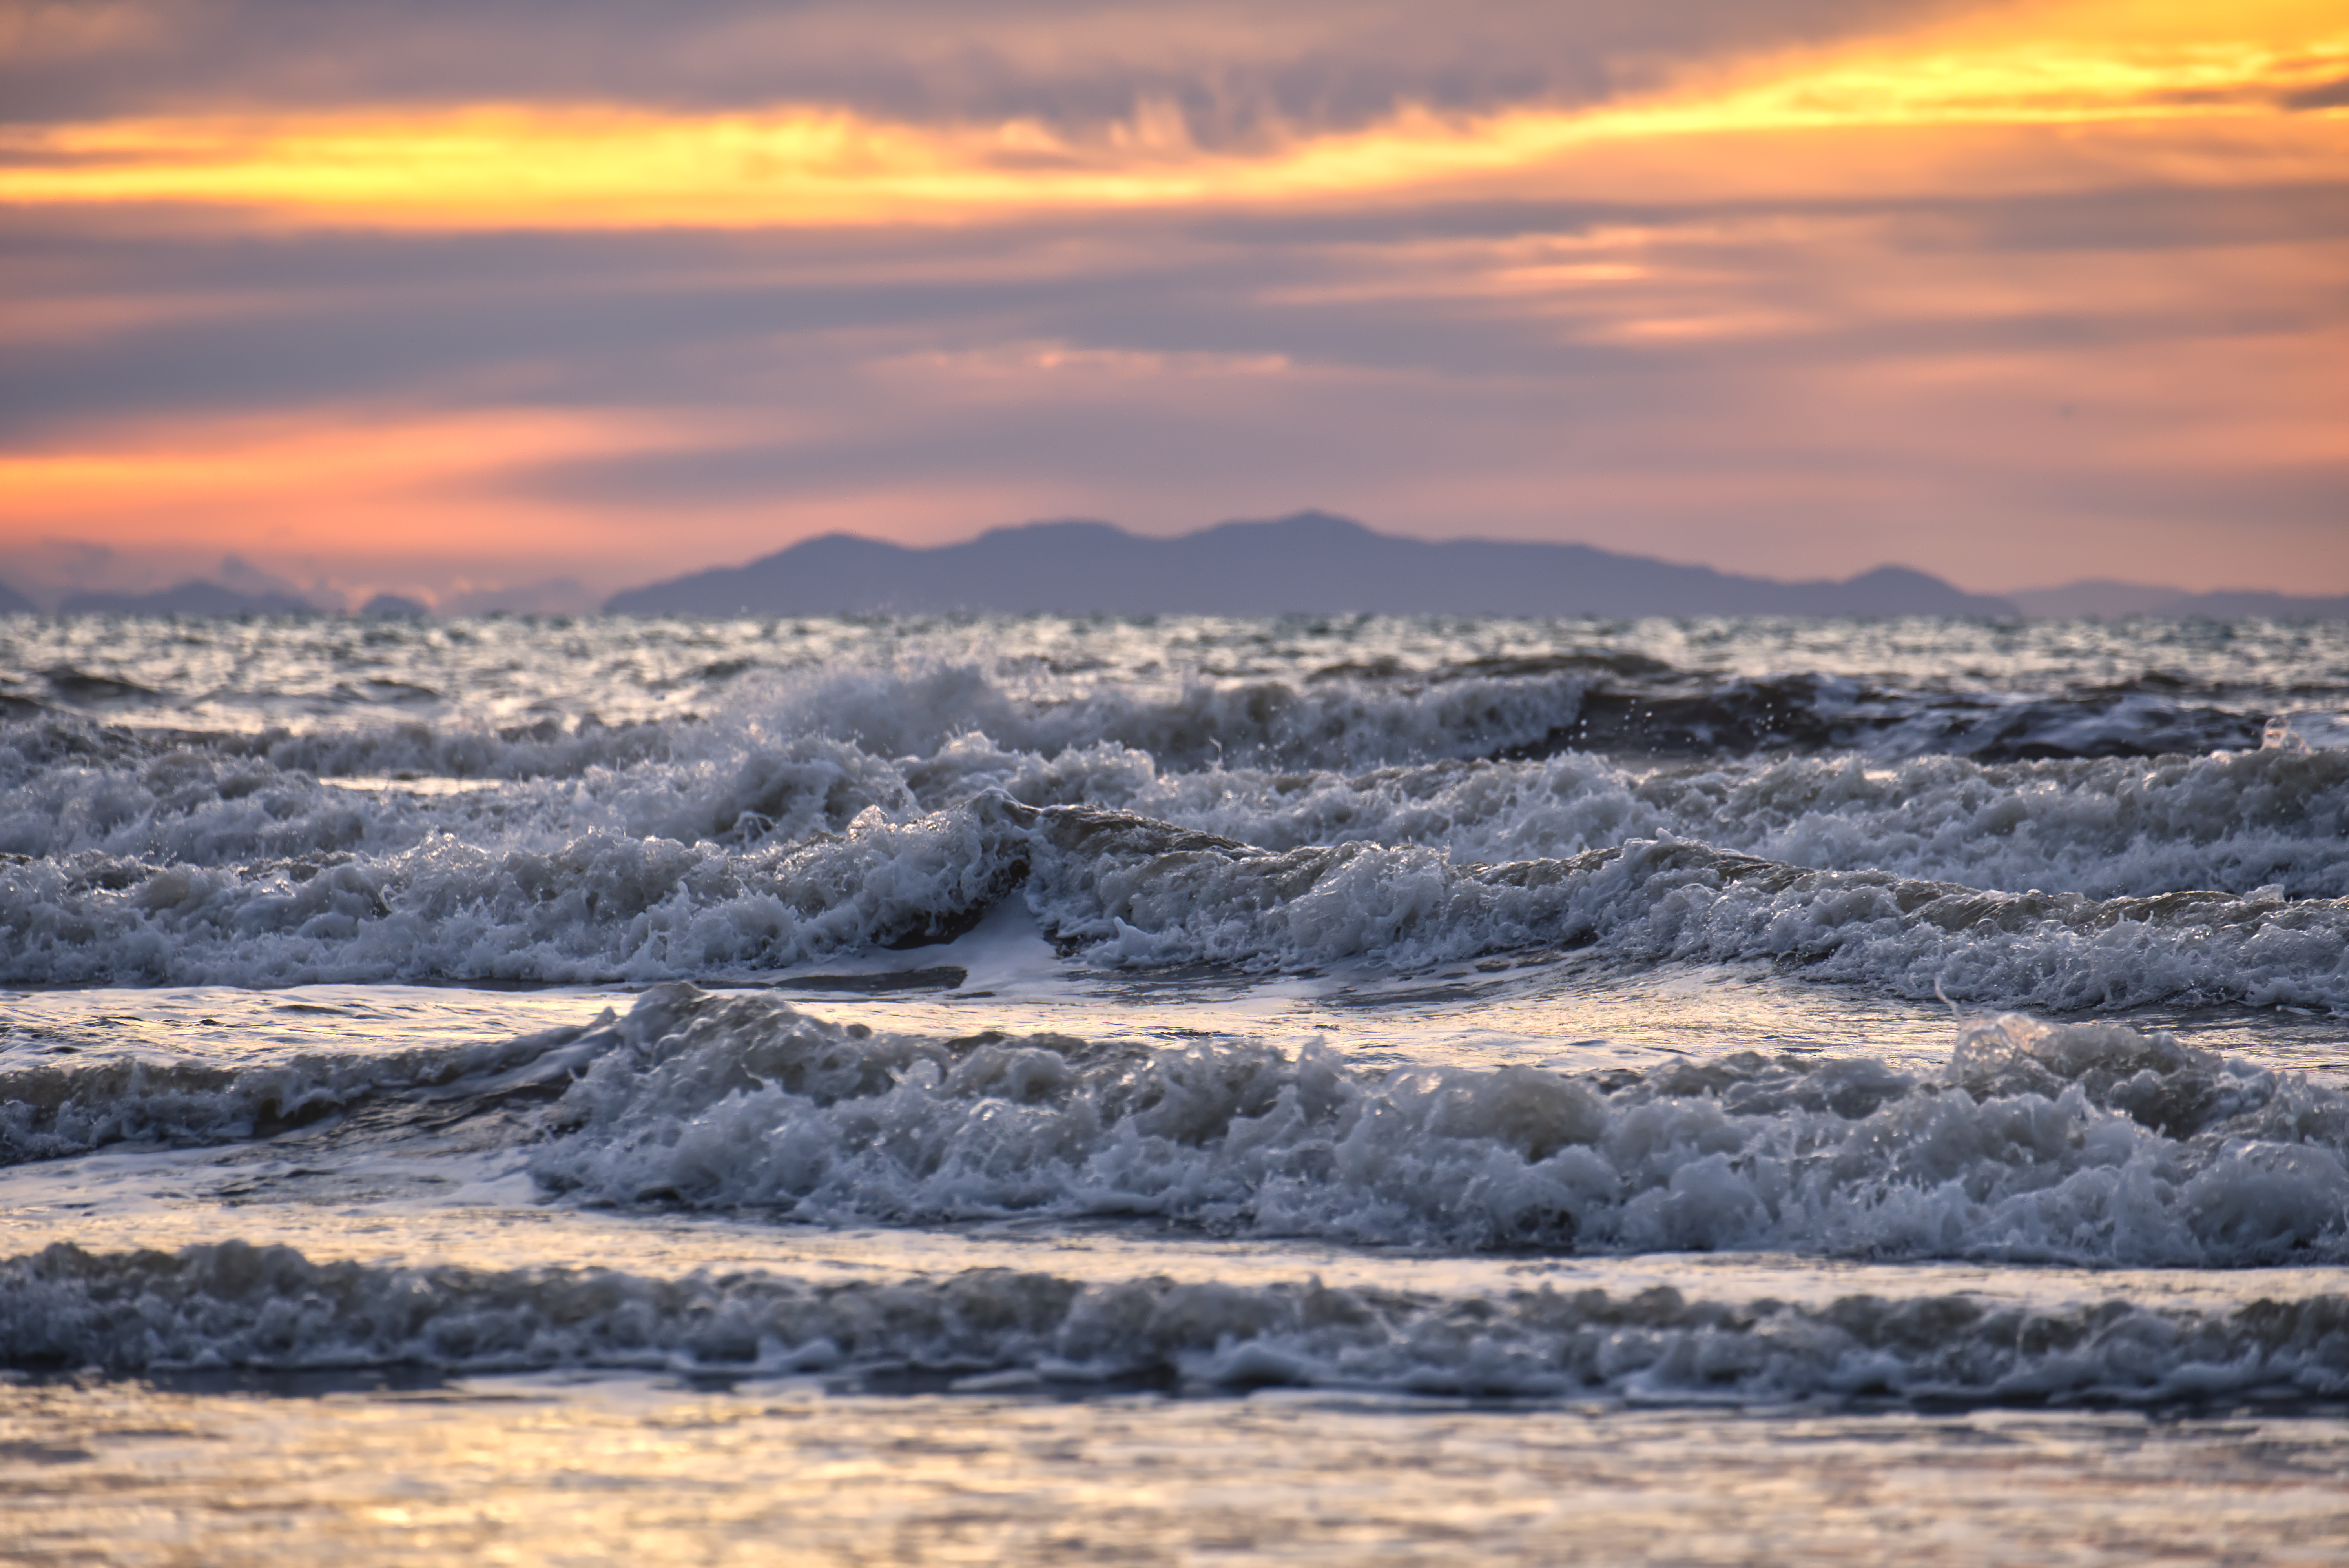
[2017, 295]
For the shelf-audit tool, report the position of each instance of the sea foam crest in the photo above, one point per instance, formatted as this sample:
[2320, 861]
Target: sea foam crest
[234, 1305]
[1128, 892]
[2080, 1144]
[2315, 730]
[50, 1110]
[1272, 766]
[1119, 888]
[2106, 827]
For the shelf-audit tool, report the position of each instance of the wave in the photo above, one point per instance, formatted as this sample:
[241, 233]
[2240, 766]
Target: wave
[1243, 711]
[2051, 1142]
[1349, 812]
[2108, 829]
[2271, 815]
[1116, 888]
[53, 1111]
[230, 1305]
[1125, 891]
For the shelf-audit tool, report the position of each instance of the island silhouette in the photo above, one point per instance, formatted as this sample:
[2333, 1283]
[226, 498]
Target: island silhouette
[1311, 562]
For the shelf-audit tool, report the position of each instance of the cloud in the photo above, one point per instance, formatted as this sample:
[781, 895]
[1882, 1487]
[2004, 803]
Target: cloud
[1978, 113]
[1787, 290]
[1231, 68]
[1489, 369]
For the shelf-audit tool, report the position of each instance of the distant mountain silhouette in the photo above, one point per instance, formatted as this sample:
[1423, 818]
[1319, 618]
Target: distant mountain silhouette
[2236, 604]
[553, 596]
[2103, 597]
[2093, 596]
[1312, 563]
[193, 598]
[15, 603]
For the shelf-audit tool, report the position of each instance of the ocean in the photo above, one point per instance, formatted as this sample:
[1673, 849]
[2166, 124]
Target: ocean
[1173, 1090]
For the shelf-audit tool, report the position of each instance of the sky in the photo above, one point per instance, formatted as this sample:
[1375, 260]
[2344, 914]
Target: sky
[454, 298]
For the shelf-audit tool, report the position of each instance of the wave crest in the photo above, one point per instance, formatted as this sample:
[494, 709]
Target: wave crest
[234, 1305]
[2078, 1143]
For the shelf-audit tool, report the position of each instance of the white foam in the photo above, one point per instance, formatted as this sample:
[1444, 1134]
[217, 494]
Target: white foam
[1137, 895]
[607, 903]
[54, 1109]
[2076, 1143]
[2314, 730]
[234, 1305]
[826, 812]
[2110, 827]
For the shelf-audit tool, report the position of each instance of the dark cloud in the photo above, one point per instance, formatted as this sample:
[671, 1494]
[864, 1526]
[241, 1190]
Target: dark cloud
[1235, 68]
[2330, 95]
[225, 322]
[2142, 218]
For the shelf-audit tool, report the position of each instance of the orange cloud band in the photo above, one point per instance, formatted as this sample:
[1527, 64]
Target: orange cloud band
[598, 168]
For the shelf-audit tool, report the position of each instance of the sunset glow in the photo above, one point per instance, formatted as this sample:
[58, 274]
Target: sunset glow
[601, 166]
[2102, 103]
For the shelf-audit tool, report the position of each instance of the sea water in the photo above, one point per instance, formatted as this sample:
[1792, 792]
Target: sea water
[1173, 1090]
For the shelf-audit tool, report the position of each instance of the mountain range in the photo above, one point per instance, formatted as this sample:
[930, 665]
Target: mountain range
[242, 596]
[2102, 596]
[1310, 562]
[1313, 562]
[193, 598]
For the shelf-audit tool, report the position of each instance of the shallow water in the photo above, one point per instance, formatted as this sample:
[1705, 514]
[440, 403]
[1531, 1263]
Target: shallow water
[636, 1470]
[1332, 1090]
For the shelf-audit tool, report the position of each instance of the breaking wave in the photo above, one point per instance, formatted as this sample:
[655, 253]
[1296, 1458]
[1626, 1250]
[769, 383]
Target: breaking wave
[1117, 888]
[235, 1305]
[52, 1110]
[1281, 812]
[2079, 1143]
[2083, 1144]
